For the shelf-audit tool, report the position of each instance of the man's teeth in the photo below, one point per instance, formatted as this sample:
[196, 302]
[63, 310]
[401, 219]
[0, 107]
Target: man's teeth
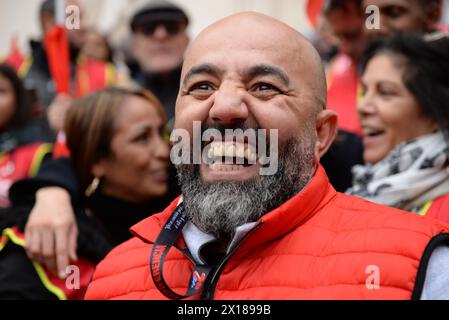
[237, 150]
[226, 167]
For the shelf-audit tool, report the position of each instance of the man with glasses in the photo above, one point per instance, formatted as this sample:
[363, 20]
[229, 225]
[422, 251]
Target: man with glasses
[159, 39]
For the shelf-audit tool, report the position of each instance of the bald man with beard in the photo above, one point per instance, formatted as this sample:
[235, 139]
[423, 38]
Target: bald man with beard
[237, 233]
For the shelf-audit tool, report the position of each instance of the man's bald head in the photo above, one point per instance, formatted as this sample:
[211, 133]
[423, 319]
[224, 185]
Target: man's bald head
[257, 30]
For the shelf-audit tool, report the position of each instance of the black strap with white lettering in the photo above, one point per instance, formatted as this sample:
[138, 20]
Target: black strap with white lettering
[165, 240]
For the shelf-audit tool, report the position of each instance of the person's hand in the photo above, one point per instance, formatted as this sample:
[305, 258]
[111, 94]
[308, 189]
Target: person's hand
[51, 231]
[57, 111]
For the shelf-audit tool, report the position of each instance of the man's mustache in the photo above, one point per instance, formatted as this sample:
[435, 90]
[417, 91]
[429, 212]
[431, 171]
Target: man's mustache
[222, 127]
[226, 130]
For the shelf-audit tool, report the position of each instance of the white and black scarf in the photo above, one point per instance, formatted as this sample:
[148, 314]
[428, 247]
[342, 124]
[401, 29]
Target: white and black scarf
[410, 171]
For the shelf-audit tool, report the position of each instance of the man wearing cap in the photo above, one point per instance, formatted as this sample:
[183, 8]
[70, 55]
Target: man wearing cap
[159, 40]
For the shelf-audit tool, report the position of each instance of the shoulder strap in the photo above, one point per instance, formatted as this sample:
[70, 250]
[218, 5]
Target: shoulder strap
[165, 240]
[439, 240]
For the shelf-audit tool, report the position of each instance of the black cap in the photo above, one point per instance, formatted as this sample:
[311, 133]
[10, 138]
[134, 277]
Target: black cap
[158, 10]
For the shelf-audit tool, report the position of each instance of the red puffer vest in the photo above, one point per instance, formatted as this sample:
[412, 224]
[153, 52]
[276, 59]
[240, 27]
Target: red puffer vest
[318, 245]
[437, 208]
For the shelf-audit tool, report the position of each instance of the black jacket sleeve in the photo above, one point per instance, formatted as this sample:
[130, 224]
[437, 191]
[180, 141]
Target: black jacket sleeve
[53, 172]
[18, 278]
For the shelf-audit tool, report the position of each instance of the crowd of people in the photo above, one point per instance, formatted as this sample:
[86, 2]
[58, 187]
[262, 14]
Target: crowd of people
[86, 176]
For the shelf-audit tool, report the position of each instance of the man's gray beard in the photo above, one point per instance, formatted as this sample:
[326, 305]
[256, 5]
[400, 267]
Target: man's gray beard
[218, 208]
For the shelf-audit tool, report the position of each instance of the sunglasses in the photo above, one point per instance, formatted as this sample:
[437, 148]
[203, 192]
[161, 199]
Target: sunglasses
[172, 27]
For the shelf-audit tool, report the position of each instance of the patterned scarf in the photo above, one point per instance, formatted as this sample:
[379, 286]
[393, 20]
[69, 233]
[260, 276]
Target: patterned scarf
[409, 171]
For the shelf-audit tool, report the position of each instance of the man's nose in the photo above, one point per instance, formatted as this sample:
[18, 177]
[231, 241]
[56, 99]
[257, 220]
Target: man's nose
[228, 106]
[160, 32]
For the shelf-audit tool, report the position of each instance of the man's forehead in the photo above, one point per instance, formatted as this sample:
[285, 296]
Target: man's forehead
[236, 52]
[241, 55]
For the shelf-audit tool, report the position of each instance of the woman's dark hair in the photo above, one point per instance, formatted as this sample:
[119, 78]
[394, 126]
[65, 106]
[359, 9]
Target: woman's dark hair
[23, 112]
[424, 61]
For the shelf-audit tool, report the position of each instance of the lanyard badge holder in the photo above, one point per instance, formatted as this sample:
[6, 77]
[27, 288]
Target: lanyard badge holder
[165, 240]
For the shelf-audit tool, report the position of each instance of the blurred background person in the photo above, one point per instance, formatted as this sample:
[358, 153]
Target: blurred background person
[404, 116]
[405, 15]
[159, 40]
[324, 41]
[36, 68]
[346, 20]
[90, 66]
[21, 147]
[120, 158]
[95, 66]
[96, 47]
[340, 24]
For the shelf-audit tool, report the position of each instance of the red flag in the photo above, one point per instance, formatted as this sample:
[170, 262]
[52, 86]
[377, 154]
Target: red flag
[313, 10]
[58, 54]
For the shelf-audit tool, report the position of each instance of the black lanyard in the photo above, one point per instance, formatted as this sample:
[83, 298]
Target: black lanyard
[165, 240]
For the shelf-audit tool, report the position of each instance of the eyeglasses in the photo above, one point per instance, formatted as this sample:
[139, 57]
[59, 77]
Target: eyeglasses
[149, 28]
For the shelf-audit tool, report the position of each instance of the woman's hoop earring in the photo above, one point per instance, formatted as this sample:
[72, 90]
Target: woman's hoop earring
[92, 187]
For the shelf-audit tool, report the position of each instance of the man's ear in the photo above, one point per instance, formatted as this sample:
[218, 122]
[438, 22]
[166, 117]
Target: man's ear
[326, 130]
